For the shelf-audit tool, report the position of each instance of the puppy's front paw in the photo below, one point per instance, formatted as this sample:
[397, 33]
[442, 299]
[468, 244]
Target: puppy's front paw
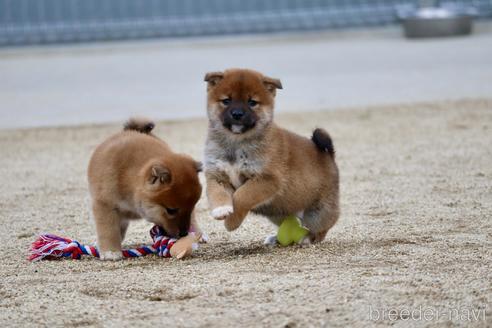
[203, 238]
[271, 240]
[110, 256]
[222, 212]
[233, 221]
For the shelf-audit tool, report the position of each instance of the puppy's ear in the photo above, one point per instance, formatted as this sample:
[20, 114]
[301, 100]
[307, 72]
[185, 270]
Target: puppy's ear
[198, 166]
[272, 84]
[213, 78]
[159, 175]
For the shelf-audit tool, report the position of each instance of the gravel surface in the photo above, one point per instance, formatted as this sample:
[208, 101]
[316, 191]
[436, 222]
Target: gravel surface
[415, 233]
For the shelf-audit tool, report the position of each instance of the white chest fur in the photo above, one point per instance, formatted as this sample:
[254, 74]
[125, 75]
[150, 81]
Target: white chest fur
[241, 165]
[233, 171]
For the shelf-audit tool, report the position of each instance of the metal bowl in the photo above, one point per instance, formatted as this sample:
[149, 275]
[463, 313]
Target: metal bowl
[436, 22]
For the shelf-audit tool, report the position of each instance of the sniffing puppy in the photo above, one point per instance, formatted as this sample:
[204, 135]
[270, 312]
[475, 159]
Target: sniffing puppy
[133, 175]
[251, 164]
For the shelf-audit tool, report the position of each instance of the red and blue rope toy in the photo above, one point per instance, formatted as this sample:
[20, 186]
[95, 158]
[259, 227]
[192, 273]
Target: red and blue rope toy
[50, 247]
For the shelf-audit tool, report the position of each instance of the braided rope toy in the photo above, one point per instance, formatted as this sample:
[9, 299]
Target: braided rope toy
[50, 247]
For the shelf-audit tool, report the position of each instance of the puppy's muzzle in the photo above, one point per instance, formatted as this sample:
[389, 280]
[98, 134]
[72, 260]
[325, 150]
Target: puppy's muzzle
[238, 119]
[237, 114]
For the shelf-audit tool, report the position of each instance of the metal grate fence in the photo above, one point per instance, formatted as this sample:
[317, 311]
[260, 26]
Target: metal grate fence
[48, 21]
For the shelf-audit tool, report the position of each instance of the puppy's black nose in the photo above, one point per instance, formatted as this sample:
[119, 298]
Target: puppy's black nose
[237, 113]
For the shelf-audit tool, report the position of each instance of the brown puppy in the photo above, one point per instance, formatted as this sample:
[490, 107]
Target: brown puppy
[133, 175]
[253, 165]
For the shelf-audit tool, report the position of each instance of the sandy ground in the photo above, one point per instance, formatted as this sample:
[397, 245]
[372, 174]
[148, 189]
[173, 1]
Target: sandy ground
[415, 233]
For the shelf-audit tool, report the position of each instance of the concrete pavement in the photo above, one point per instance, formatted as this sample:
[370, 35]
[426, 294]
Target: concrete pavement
[163, 79]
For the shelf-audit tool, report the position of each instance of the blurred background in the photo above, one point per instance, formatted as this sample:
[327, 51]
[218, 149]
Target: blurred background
[92, 61]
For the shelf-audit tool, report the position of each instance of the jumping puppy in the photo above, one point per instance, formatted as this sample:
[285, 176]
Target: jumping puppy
[251, 164]
[133, 175]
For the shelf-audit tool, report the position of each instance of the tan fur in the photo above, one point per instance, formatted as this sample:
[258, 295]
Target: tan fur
[135, 175]
[265, 169]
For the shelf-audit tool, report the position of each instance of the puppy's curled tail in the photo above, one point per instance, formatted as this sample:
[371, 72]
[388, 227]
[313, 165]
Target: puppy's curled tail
[141, 125]
[323, 141]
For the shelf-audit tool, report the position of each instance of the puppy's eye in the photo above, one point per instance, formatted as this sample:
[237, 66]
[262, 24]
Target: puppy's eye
[172, 211]
[226, 102]
[252, 103]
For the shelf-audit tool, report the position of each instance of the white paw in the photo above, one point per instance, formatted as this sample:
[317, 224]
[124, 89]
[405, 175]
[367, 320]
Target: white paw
[305, 242]
[110, 256]
[271, 240]
[204, 238]
[222, 212]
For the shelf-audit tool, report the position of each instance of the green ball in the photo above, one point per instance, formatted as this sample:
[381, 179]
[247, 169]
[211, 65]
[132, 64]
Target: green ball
[291, 231]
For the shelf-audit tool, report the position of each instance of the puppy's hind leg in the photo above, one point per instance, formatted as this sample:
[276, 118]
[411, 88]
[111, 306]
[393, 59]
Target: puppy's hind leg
[320, 219]
[109, 231]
